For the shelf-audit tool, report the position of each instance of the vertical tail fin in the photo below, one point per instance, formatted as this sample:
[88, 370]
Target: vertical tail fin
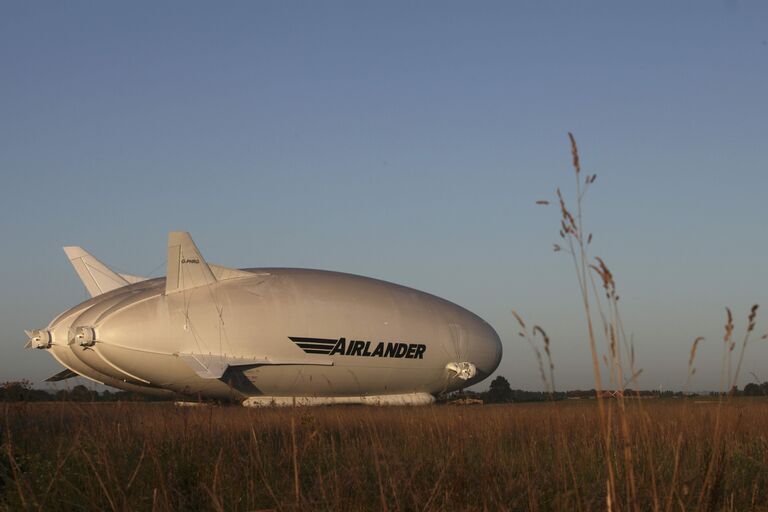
[96, 276]
[186, 266]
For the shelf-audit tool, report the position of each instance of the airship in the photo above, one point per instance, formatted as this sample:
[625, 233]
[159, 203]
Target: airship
[265, 336]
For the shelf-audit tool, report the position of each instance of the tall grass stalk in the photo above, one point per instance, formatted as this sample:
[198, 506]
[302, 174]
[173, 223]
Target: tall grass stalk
[576, 243]
[626, 436]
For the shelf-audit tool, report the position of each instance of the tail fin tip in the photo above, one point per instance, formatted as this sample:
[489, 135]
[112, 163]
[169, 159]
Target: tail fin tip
[95, 275]
[186, 266]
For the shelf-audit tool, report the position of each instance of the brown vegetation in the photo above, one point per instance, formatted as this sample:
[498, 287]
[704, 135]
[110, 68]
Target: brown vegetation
[547, 456]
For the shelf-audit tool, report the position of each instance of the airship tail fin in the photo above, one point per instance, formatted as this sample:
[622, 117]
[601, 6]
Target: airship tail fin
[186, 267]
[96, 276]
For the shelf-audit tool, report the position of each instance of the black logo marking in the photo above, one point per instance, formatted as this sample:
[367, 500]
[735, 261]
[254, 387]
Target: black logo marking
[190, 260]
[342, 347]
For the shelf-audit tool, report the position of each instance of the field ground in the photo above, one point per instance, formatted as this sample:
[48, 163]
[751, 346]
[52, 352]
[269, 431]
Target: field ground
[545, 456]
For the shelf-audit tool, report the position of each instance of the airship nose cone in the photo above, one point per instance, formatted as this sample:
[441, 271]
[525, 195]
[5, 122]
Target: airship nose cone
[486, 353]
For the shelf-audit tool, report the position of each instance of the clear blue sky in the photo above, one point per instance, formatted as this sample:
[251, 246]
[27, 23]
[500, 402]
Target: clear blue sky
[402, 140]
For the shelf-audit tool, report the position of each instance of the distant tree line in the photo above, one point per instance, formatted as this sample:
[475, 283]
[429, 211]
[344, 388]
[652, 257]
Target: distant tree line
[754, 389]
[499, 391]
[22, 391]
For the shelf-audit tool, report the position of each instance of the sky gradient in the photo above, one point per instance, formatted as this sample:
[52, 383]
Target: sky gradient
[406, 141]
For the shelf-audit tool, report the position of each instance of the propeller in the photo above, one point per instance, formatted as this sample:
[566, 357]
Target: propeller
[464, 370]
[84, 336]
[38, 338]
[459, 368]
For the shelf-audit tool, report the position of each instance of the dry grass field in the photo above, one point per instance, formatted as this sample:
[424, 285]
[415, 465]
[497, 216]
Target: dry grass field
[545, 456]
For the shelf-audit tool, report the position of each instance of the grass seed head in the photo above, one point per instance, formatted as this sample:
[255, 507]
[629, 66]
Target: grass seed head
[601, 269]
[519, 319]
[728, 326]
[693, 350]
[752, 315]
[543, 335]
[574, 153]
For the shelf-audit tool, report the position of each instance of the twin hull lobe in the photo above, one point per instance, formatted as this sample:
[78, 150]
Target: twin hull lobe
[68, 355]
[356, 336]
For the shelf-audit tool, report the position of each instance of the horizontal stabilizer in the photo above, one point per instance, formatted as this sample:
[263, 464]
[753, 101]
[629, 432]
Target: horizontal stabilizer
[96, 276]
[62, 375]
[186, 267]
[214, 367]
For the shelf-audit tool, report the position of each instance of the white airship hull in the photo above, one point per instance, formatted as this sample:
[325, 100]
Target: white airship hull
[270, 334]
